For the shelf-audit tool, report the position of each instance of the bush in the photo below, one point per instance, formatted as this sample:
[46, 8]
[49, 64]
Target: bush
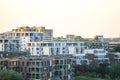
[10, 75]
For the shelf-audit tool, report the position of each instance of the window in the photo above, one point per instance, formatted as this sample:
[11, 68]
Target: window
[22, 34]
[77, 50]
[49, 44]
[56, 62]
[37, 44]
[61, 61]
[33, 44]
[95, 51]
[37, 48]
[22, 63]
[37, 52]
[31, 34]
[74, 44]
[17, 34]
[26, 34]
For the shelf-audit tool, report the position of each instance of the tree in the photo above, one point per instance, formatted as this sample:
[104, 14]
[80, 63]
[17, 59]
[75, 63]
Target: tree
[101, 70]
[10, 75]
[116, 48]
[78, 38]
[114, 71]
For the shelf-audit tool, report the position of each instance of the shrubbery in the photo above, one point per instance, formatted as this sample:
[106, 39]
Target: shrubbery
[105, 71]
[10, 75]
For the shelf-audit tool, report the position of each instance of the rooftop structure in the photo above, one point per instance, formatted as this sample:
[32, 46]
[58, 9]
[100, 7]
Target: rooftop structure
[70, 38]
[23, 35]
[25, 31]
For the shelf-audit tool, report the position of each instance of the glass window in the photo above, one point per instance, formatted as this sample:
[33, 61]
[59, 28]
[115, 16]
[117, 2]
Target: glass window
[37, 48]
[95, 51]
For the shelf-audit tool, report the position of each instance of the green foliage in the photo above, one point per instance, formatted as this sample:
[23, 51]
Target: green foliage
[116, 49]
[114, 71]
[78, 38]
[96, 38]
[10, 75]
[101, 70]
[108, 72]
[84, 78]
[107, 77]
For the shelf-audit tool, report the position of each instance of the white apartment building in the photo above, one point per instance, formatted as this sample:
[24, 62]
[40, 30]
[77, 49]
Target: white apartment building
[81, 59]
[100, 54]
[91, 55]
[25, 37]
[55, 48]
[30, 34]
[39, 41]
[34, 33]
[9, 44]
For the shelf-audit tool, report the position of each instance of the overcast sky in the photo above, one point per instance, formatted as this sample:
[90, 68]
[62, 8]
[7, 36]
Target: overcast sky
[86, 18]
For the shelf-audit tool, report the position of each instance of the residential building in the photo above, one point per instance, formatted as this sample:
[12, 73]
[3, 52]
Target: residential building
[48, 35]
[17, 54]
[100, 38]
[112, 45]
[55, 48]
[37, 33]
[30, 34]
[41, 68]
[114, 57]
[81, 59]
[96, 45]
[15, 64]
[117, 57]
[9, 44]
[70, 38]
[100, 55]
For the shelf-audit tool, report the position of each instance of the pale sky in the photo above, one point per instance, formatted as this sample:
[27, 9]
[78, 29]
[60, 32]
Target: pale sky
[86, 18]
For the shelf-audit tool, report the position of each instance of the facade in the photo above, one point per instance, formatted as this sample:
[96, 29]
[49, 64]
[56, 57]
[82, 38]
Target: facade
[55, 48]
[27, 34]
[16, 54]
[41, 68]
[48, 35]
[38, 33]
[15, 64]
[117, 57]
[91, 56]
[114, 57]
[81, 59]
[100, 55]
[113, 44]
[9, 44]
[100, 38]
[96, 45]
[1, 35]
[38, 41]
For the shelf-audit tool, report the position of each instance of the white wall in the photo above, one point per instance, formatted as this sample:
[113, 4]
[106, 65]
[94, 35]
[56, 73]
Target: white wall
[1, 47]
